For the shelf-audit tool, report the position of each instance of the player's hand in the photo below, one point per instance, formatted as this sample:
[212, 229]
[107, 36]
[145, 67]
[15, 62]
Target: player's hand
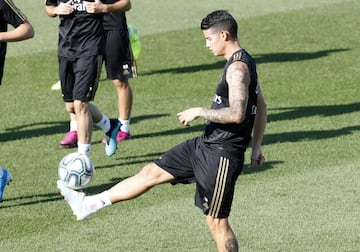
[189, 115]
[94, 7]
[64, 8]
[257, 159]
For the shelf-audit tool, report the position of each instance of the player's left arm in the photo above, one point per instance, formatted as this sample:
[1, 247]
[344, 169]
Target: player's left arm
[238, 78]
[257, 157]
[100, 7]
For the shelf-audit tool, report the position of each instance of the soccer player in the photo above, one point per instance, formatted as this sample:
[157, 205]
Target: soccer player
[120, 66]
[80, 57]
[119, 62]
[10, 14]
[213, 160]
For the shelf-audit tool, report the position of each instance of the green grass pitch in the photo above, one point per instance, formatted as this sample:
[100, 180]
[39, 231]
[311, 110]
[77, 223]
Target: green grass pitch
[305, 198]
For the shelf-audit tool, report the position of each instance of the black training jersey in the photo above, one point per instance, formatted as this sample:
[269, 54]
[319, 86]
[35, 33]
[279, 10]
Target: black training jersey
[9, 14]
[80, 33]
[113, 20]
[233, 136]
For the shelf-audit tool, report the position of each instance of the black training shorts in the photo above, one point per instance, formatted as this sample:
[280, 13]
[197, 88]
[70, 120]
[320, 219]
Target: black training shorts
[211, 168]
[79, 77]
[119, 62]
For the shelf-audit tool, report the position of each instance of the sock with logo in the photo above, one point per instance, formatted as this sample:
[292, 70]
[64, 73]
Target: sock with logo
[104, 123]
[84, 149]
[125, 125]
[96, 202]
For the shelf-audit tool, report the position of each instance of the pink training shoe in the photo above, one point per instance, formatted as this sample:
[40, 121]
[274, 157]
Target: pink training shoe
[70, 140]
[122, 136]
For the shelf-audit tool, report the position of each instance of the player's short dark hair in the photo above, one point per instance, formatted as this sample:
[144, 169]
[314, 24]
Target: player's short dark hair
[220, 20]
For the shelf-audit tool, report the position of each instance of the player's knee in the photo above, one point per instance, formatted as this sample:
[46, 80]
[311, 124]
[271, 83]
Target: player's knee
[154, 174]
[213, 223]
[217, 224]
[121, 83]
[70, 107]
[80, 106]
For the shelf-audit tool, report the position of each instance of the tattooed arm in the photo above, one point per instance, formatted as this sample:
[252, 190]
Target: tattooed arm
[238, 78]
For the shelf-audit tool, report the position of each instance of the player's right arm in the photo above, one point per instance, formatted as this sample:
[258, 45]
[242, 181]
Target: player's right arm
[53, 10]
[238, 79]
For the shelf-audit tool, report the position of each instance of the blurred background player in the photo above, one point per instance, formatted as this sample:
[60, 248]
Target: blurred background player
[135, 47]
[119, 62]
[10, 14]
[80, 49]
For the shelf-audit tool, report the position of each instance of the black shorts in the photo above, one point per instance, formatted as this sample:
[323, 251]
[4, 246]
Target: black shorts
[79, 77]
[213, 171]
[119, 61]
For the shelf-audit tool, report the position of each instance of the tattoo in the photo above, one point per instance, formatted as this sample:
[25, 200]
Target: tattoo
[238, 78]
[231, 245]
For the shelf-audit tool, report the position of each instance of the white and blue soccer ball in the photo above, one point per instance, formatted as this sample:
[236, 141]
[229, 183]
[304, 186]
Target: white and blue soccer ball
[76, 170]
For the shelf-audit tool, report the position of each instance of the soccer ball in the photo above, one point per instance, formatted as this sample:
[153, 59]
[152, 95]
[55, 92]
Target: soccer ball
[76, 170]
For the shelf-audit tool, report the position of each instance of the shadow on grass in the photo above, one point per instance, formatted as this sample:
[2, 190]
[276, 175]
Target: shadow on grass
[267, 166]
[30, 200]
[259, 58]
[289, 113]
[181, 130]
[49, 197]
[130, 160]
[51, 128]
[294, 56]
[297, 136]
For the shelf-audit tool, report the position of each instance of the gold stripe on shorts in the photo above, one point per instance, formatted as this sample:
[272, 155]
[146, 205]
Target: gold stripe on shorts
[219, 187]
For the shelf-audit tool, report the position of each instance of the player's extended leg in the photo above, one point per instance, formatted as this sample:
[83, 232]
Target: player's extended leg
[222, 233]
[132, 187]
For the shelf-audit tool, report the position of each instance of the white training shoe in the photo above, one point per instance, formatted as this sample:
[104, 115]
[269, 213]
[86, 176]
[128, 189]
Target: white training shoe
[56, 86]
[75, 200]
